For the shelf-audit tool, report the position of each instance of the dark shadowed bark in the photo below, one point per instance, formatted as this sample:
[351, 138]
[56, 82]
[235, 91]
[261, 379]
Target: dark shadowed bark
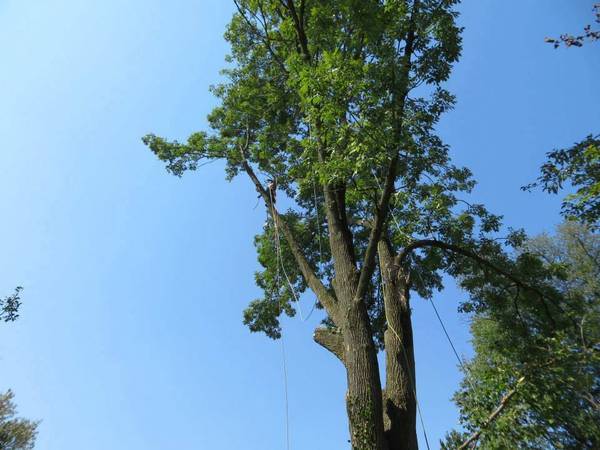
[399, 397]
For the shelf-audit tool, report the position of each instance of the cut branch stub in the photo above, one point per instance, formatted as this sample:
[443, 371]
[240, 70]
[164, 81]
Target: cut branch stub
[332, 340]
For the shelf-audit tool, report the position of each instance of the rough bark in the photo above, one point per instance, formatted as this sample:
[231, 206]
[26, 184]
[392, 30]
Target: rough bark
[354, 347]
[332, 340]
[364, 396]
[399, 402]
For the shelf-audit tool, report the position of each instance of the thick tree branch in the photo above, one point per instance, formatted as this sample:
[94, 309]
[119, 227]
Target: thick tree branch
[313, 281]
[493, 416]
[340, 237]
[401, 259]
[388, 189]
[403, 255]
[335, 203]
[332, 340]
[387, 262]
[369, 260]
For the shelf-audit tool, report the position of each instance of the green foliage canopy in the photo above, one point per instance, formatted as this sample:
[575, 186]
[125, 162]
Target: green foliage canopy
[334, 106]
[551, 370]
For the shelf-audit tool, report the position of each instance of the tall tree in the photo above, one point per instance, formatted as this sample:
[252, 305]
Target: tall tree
[332, 105]
[533, 384]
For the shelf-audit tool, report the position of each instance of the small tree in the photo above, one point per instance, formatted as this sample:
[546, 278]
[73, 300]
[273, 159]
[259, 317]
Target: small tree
[15, 433]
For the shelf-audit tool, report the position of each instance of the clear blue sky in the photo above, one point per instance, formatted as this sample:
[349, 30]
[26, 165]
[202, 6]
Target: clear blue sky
[131, 335]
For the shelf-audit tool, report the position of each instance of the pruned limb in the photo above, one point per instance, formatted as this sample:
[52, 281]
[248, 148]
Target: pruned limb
[493, 416]
[330, 339]
[313, 281]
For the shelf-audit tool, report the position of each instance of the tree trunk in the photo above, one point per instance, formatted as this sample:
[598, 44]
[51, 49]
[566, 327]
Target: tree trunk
[378, 420]
[363, 399]
[399, 402]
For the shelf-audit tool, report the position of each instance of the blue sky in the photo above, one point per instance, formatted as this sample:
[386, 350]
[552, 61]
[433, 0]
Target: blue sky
[131, 335]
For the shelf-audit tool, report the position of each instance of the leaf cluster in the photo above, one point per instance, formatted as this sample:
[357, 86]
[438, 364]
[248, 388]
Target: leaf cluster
[579, 167]
[331, 107]
[9, 306]
[570, 40]
[15, 433]
[557, 406]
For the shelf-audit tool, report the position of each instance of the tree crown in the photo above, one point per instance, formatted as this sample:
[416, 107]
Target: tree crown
[337, 101]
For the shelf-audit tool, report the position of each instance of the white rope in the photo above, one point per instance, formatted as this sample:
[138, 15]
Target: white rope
[413, 385]
[410, 377]
[458, 358]
[282, 339]
[280, 257]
